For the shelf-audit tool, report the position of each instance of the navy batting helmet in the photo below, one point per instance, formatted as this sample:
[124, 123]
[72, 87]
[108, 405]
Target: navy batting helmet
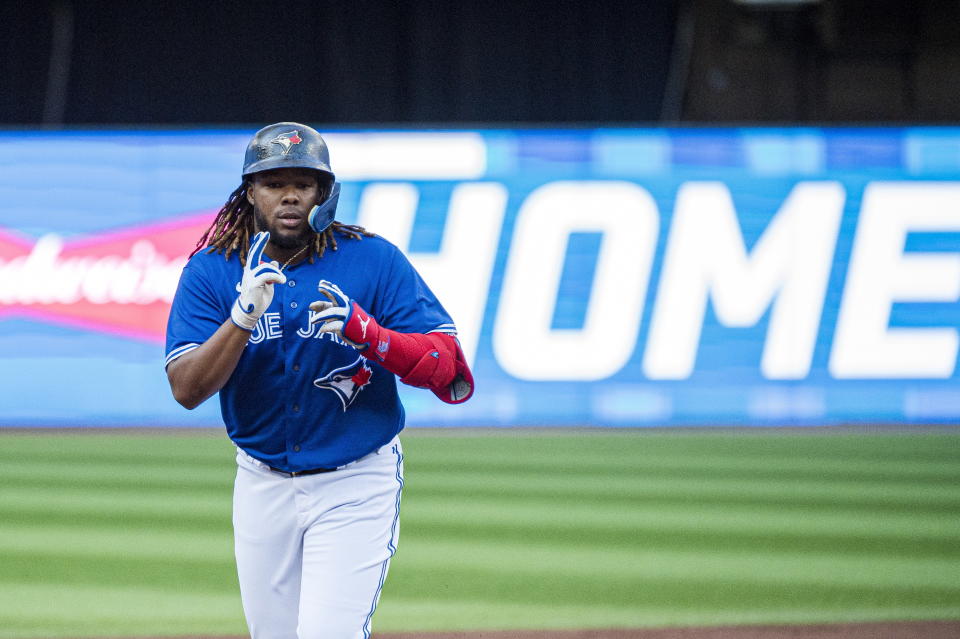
[291, 145]
[286, 145]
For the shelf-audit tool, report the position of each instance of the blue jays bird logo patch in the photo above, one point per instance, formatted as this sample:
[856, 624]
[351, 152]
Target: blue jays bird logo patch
[346, 381]
[287, 140]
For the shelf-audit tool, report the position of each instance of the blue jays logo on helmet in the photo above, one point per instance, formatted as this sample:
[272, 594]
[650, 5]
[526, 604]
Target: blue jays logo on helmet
[346, 381]
[287, 140]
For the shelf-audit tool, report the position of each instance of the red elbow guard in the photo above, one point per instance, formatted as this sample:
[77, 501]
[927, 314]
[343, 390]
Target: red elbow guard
[442, 369]
[432, 360]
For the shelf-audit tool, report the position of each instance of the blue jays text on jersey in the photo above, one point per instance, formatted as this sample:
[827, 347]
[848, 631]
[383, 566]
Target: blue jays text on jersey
[300, 399]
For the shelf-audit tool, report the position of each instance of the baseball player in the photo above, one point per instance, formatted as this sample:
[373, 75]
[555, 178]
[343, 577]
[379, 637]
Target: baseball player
[303, 325]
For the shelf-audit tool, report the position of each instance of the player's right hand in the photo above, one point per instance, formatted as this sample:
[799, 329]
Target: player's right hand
[256, 287]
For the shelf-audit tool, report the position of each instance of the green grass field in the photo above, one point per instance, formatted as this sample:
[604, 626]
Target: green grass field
[129, 534]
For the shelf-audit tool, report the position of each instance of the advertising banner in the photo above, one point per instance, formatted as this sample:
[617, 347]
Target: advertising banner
[613, 277]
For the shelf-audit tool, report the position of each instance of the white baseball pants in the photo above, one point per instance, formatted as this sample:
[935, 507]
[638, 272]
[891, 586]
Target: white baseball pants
[313, 552]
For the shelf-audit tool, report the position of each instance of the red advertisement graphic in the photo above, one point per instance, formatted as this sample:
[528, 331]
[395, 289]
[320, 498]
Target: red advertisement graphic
[118, 282]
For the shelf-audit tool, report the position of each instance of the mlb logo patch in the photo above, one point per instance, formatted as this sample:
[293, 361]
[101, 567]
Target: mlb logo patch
[383, 346]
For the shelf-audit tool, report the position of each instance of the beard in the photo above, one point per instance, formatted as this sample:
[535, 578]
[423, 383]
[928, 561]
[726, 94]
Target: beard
[279, 237]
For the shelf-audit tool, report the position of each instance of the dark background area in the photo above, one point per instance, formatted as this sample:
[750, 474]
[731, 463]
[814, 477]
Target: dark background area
[69, 63]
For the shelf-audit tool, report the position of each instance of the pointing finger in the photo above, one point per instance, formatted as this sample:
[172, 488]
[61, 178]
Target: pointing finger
[256, 248]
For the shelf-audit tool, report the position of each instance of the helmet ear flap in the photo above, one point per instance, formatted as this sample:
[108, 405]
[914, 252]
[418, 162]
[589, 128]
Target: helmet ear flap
[321, 216]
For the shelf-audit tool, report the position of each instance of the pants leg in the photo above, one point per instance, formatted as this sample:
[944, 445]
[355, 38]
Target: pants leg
[268, 547]
[348, 543]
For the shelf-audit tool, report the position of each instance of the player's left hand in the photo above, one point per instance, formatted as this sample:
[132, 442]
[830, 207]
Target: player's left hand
[336, 312]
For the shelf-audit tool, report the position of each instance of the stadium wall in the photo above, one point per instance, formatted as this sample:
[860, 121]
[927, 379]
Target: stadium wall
[612, 277]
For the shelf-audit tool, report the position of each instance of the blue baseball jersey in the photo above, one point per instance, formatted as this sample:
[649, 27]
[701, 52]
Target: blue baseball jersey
[300, 399]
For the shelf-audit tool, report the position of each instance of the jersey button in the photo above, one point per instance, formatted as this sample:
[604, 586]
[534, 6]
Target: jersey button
[296, 408]
[291, 283]
[296, 367]
[296, 448]
[293, 304]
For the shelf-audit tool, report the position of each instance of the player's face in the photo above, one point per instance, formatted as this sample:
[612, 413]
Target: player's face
[281, 200]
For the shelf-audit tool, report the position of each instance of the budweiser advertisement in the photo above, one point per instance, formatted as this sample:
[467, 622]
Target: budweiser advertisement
[119, 283]
[612, 277]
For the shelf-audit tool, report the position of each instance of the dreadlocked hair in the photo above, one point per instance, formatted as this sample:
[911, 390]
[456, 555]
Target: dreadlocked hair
[232, 228]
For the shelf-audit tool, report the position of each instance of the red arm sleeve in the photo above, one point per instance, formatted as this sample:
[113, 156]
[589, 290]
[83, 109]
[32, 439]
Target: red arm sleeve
[431, 360]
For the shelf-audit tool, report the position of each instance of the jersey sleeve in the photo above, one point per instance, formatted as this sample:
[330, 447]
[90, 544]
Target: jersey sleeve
[406, 303]
[195, 315]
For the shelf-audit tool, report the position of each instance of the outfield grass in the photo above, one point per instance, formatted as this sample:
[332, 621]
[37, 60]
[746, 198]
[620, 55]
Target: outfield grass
[125, 534]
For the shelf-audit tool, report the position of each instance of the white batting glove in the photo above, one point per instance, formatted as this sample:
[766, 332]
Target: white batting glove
[333, 313]
[256, 287]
